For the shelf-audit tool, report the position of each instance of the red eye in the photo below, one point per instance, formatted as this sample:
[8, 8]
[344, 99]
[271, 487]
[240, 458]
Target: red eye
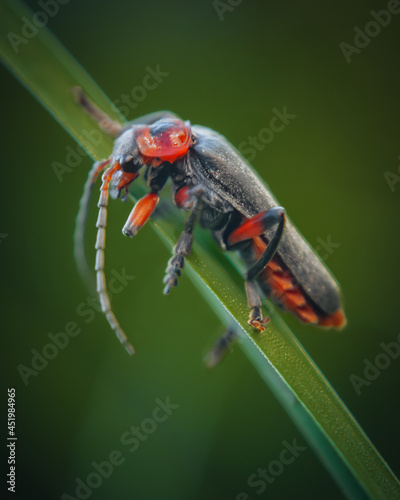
[167, 139]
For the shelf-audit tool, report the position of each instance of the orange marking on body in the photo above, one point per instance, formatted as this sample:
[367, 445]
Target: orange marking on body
[281, 281]
[274, 266]
[306, 314]
[295, 298]
[286, 290]
[260, 245]
[337, 320]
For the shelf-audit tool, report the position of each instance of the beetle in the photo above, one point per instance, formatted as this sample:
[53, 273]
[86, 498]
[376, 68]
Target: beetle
[221, 192]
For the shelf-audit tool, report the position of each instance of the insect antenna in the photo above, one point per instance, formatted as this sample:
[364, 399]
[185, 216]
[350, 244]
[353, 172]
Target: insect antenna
[101, 287]
[80, 224]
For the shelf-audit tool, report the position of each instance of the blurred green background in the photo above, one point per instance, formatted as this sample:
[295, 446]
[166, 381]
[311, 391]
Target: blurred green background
[327, 168]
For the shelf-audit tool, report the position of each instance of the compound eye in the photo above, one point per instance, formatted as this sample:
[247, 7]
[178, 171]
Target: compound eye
[130, 166]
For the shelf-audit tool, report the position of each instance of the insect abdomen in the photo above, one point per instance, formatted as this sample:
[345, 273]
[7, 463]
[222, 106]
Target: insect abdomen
[278, 283]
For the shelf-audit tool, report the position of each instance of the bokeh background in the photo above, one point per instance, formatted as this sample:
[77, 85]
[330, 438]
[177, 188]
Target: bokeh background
[327, 168]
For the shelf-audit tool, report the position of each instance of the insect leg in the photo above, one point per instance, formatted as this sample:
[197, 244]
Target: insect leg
[100, 246]
[107, 124]
[222, 345]
[250, 229]
[256, 319]
[80, 223]
[144, 208]
[181, 249]
[272, 247]
[254, 302]
[256, 226]
[140, 214]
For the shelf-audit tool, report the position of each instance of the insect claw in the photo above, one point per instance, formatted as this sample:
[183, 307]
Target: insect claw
[175, 264]
[259, 324]
[173, 272]
[173, 281]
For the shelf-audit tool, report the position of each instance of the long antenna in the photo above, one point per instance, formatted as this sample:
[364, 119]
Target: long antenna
[101, 287]
[80, 223]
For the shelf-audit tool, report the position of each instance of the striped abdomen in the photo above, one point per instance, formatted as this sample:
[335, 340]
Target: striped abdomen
[280, 285]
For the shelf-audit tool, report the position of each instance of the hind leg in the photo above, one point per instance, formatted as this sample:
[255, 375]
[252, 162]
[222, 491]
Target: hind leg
[256, 320]
[221, 347]
[248, 230]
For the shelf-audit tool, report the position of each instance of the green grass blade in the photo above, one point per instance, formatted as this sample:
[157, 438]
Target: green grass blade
[49, 72]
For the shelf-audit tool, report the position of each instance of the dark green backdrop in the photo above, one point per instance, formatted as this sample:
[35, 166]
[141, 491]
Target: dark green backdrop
[327, 167]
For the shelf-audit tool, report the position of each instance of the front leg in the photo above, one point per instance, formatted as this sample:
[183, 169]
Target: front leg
[140, 213]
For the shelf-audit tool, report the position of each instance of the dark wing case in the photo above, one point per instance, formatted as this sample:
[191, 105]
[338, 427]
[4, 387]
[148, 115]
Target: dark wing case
[221, 167]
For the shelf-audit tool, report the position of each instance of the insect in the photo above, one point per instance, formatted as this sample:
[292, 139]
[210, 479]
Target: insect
[222, 193]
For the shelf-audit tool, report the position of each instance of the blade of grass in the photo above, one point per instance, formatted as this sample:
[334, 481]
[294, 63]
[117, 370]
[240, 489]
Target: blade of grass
[49, 72]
